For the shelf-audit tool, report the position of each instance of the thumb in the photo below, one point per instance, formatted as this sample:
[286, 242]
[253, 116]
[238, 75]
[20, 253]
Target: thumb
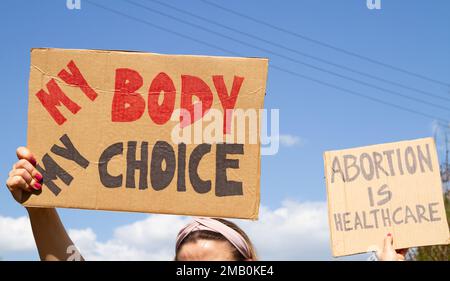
[24, 153]
[388, 241]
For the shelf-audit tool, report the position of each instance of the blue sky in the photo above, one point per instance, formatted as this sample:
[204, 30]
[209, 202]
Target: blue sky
[412, 35]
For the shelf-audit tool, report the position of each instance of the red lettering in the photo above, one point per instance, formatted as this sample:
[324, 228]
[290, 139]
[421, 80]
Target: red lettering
[54, 98]
[75, 78]
[127, 105]
[160, 114]
[193, 86]
[228, 101]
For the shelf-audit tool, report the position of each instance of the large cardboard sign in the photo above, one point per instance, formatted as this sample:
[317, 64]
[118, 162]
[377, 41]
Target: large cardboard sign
[131, 131]
[388, 188]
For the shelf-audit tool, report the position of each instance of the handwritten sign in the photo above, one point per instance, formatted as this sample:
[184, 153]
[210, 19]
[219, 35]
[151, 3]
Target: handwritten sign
[130, 131]
[389, 188]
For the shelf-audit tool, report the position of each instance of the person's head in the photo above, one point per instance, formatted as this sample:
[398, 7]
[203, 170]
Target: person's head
[213, 239]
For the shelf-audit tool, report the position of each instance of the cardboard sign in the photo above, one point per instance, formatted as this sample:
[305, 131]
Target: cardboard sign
[388, 188]
[130, 131]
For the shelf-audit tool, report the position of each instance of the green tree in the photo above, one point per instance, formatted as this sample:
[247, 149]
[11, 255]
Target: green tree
[438, 252]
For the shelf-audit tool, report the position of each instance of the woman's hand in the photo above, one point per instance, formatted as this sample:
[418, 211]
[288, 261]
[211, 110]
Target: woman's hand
[389, 253]
[49, 233]
[24, 179]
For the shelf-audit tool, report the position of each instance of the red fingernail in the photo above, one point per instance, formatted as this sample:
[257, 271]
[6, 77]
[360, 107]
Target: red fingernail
[37, 186]
[33, 161]
[389, 234]
[38, 177]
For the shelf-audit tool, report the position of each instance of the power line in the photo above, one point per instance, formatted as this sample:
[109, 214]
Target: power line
[290, 59]
[281, 46]
[439, 119]
[327, 45]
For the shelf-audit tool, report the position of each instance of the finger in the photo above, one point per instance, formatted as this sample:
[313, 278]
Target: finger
[400, 257]
[24, 153]
[388, 243]
[32, 182]
[25, 164]
[17, 182]
[402, 251]
[21, 172]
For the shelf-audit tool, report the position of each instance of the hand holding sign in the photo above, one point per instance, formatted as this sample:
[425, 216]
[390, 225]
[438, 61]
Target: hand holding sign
[389, 188]
[24, 178]
[388, 253]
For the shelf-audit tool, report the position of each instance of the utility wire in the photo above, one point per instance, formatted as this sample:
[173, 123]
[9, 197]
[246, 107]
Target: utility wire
[441, 120]
[290, 59]
[324, 44]
[281, 46]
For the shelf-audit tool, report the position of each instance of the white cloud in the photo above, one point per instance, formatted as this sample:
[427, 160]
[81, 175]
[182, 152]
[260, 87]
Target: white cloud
[294, 231]
[15, 235]
[149, 239]
[290, 140]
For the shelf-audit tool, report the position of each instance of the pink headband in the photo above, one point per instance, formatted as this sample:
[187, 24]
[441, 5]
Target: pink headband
[215, 226]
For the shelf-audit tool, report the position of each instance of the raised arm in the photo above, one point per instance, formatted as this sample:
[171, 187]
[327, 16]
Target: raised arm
[51, 237]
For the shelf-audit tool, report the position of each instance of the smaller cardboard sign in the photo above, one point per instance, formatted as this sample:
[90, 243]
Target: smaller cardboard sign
[388, 188]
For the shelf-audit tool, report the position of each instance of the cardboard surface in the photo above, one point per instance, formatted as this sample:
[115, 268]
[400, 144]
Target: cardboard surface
[101, 124]
[388, 188]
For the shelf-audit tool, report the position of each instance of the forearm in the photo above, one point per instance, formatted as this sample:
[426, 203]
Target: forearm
[50, 235]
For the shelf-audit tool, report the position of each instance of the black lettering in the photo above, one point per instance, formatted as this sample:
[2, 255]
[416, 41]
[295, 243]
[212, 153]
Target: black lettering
[367, 175]
[347, 167]
[432, 212]
[386, 217]
[338, 221]
[51, 171]
[358, 222]
[336, 168]
[374, 213]
[133, 164]
[161, 178]
[409, 214]
[107, 179]
[197, 154]
[423, 159]
[181, 175]
[69, 152]
[347, 222]
[420, 209]
[394, 216]
[224, 187]
[384, 191]
[399, 161]
[410, 159]
[378, 159]
[388, 154]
